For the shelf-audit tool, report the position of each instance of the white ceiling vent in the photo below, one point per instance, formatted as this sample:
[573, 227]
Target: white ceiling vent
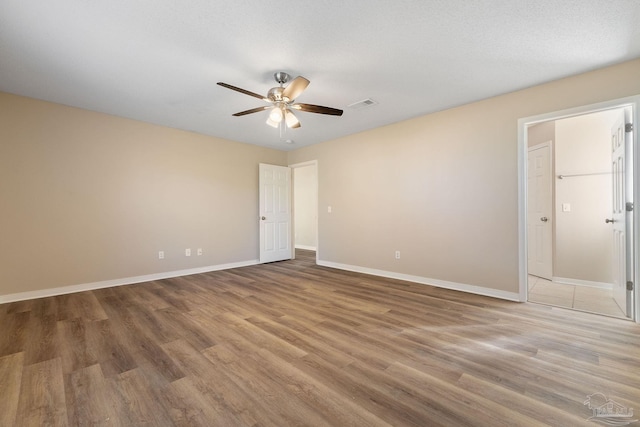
[362, 104]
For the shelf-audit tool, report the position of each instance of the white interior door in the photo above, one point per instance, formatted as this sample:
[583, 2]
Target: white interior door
[275, 213]
[539, 212]
[619, 214]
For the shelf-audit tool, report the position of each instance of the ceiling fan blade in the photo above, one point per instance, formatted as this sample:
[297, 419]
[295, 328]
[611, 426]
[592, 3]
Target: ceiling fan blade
[290, 119]
[295, 88]
[310, 108]
[253, 110]
[246, 92]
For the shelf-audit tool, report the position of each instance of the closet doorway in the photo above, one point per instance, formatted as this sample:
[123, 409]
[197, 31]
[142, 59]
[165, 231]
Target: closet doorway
[305, 206]
[579, 217]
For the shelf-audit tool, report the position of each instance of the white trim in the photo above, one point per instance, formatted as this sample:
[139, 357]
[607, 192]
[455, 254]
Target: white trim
[303, 164]
[472, 289]
[523, 124]
[305, 247]
[22, 296]
[580, 282]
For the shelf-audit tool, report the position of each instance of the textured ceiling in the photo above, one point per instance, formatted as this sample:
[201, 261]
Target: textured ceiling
[158, 61]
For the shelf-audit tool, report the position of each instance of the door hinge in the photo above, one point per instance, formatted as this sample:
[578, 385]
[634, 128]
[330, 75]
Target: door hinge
[628, 127]
[629, 207]
[629, 286]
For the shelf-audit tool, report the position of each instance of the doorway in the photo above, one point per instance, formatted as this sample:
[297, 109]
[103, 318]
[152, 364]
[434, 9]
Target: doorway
[305, 208]
[574, 250]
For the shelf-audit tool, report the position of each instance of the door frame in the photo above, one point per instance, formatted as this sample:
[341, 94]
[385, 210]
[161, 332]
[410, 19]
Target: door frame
[293, 213]
[523, 124]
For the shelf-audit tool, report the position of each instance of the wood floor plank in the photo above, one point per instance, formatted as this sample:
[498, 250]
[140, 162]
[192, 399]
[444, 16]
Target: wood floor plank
[110, 352]
[276, 398]
[293, 343]
[88, 397]
[545, 414]
[14, 332]
[19, 306]
[332, 404]
[302, 340]
[128, 329]
[367, 393]
[43, 343]
[246, 380]
[189, 407]
[223, 395]
[75, 353]
[10, 380]
[137, 401]
[472, 408]
[42, 395]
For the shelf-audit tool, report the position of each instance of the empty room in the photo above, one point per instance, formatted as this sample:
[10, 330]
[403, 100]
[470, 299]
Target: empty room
[409, 213]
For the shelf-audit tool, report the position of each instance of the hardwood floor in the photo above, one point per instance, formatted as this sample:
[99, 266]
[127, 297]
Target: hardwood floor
[292, 343]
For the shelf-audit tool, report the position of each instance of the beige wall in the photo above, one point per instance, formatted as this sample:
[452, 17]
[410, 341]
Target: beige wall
[87, 197]
[583, 241]
[541, 132]
[442, 188]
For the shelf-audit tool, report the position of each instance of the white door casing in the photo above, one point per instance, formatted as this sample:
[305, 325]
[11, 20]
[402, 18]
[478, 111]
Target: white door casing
[539, 211]
[275, 213]
[633, 308]
[619, 214]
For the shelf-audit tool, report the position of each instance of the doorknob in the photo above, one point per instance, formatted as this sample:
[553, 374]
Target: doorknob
[263, 218]
[544, 219]
[607, 221]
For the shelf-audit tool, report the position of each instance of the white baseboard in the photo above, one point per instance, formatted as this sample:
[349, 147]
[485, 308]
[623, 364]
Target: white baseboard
[22, 296]
[305, 247]
[472, 289]
[580, 282]
[478, 290]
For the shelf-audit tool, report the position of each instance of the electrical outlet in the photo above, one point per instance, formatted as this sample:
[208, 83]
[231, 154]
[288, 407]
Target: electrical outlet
[187, 252]
[397, 254]
[160, 254]
[199, 251]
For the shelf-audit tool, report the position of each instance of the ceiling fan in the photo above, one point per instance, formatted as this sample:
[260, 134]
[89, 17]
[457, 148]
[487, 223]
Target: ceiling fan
[282, 101]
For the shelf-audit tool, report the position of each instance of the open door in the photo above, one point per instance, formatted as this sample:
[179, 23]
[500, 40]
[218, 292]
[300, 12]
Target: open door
[618, 219]
[275, 213]
[539, 211]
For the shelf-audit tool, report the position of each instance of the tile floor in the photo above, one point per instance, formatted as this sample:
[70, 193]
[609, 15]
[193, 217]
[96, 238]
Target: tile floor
[584, 298]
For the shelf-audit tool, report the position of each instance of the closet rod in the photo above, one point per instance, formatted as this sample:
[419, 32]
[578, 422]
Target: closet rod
[583, 174]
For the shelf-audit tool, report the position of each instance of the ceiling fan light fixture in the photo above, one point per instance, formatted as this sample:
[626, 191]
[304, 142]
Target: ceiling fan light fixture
[272, 123]
[276, 115]
[291, 119]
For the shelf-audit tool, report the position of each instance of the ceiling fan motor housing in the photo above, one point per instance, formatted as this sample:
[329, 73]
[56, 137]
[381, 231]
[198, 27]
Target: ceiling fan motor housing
[281, 77]
[275, 94]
